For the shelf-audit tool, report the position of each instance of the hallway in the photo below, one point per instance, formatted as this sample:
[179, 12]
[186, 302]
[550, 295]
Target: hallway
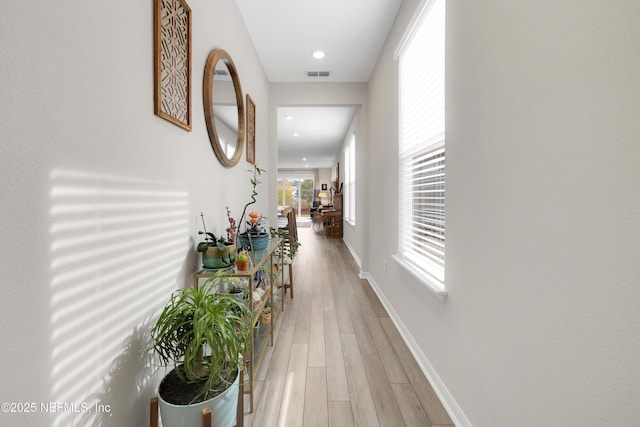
[338, 359]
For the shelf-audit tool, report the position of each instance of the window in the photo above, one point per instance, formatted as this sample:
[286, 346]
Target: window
[227, 149]
[296, 190]
[421, 246]
[349, 198]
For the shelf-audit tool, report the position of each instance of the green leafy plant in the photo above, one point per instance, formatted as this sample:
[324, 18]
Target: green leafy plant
[254, 183]
[210, 239]
[235, 286]
[294, 244]
[198, 321]
[267, 309]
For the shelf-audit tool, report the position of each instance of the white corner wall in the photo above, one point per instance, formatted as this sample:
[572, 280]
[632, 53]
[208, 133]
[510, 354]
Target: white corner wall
[543, 214]
[101, 199]
[354, 234]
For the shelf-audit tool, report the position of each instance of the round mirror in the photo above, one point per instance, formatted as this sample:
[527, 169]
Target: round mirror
[223, 107]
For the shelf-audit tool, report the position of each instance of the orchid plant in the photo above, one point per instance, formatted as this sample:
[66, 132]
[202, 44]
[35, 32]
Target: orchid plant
[254, 183]
[232, 230]
[210, 239]
[255, 222]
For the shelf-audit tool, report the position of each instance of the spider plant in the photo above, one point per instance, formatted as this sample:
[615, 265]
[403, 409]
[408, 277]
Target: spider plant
[196, 321]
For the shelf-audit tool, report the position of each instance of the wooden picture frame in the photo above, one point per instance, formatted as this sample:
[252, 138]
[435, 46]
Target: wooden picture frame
[251, 130]
[172, 61]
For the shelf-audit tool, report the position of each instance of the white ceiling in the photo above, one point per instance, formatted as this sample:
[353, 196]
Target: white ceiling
[319, 130]
[286, 33]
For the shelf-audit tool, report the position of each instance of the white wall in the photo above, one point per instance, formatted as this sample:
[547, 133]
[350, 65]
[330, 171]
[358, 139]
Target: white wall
[100, 198]
[324, 177]
[352, 232]
[543, 213]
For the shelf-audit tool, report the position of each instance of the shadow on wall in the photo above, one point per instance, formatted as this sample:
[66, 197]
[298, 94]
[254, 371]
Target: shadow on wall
[131, 375]
[118, 247]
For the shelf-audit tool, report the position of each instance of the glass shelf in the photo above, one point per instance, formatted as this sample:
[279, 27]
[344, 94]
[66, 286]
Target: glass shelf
[266, 272]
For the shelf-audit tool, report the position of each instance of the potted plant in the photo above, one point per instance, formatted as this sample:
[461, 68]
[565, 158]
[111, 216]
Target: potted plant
[202, 334]
[254, 236]
[265, 316]
[242, 261]
[235, 288]
[218, 253]
[292, 243]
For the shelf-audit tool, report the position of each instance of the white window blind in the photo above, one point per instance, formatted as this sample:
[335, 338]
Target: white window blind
[350, 181]
[421, 57]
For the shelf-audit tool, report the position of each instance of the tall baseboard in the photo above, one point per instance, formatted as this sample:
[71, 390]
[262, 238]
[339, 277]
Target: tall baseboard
[453, 409]
[353, 254]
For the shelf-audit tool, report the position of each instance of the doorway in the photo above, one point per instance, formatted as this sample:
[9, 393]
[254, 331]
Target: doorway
[297, 192]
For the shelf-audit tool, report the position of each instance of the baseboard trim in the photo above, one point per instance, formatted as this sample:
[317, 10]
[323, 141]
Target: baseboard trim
[353, 254]
[453, 409]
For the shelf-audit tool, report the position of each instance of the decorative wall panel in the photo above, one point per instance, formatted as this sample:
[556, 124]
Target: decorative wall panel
[251, 130]
[172, 61]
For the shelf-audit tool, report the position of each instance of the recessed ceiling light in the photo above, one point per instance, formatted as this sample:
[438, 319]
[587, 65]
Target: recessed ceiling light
[288, 117]
[304, 159]
[296, 134]
[318, 54]
[306, 166]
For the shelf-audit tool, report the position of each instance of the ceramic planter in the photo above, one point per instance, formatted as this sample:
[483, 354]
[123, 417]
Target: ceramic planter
[239, 294]
[215, 258]
[223, 410]
[258, 241]
[265, 318]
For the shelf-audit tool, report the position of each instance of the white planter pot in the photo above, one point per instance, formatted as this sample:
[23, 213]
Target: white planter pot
[223, 410]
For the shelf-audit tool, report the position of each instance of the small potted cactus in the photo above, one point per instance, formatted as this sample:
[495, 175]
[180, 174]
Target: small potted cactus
[242, 261]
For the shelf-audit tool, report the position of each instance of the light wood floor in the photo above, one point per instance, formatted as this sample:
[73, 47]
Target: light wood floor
[338, 359]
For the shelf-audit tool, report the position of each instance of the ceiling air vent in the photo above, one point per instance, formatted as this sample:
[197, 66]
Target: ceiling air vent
[318, 73]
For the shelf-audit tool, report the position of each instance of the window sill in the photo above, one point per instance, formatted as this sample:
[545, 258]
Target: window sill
[431, 283]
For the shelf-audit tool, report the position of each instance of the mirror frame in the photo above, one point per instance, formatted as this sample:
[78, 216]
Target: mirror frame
[207, 99]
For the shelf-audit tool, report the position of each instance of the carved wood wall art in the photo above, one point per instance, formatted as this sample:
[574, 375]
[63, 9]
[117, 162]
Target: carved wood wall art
[251, 130]
[172, 61]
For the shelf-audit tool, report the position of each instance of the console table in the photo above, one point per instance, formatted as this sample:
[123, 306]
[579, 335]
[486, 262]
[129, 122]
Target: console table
[267, 272]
